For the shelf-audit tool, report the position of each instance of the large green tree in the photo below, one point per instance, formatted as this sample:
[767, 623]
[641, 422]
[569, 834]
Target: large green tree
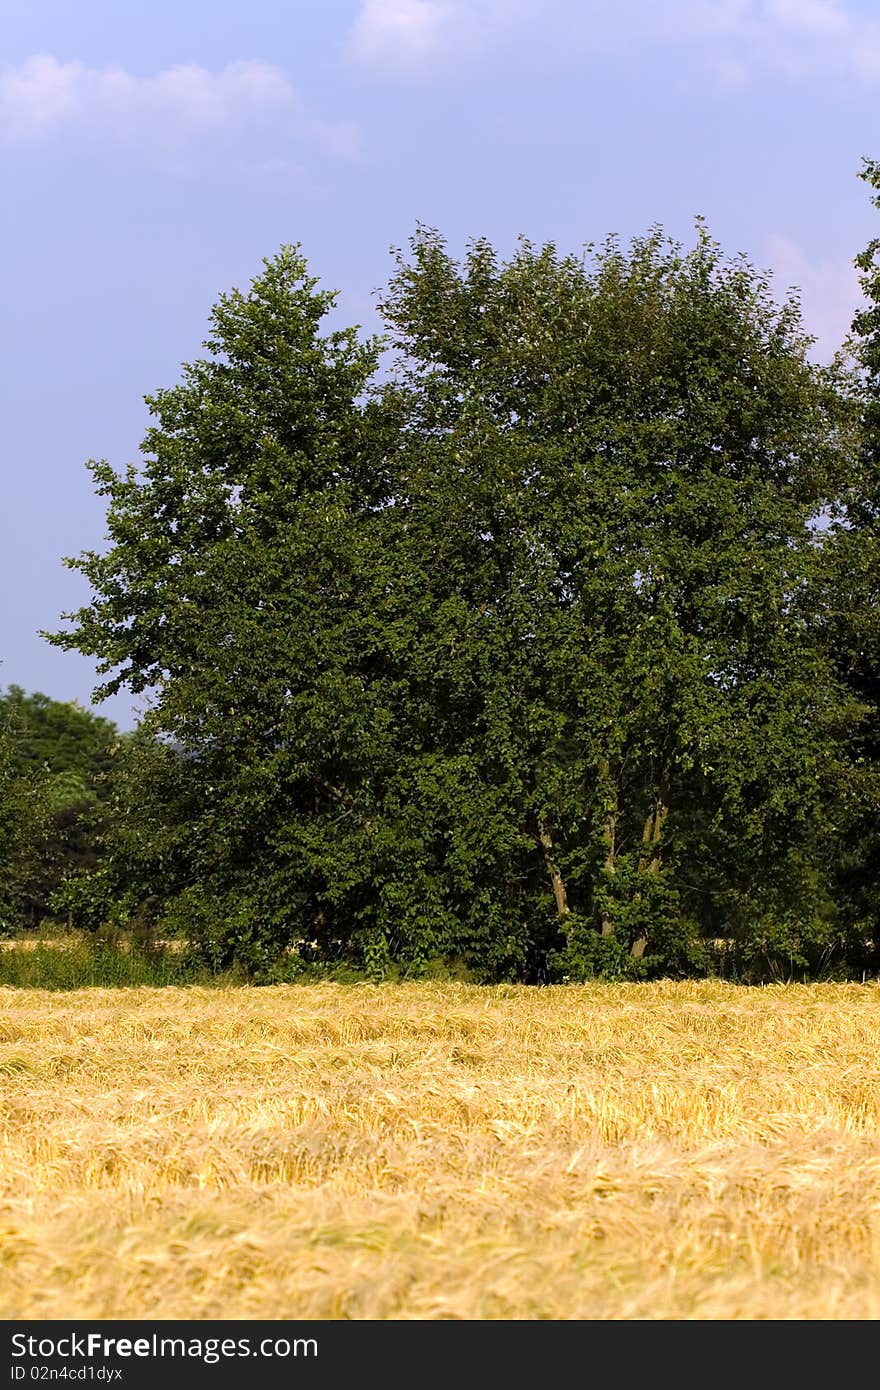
[507, 655]
[852, 621]
[239, 588]
[614, 465]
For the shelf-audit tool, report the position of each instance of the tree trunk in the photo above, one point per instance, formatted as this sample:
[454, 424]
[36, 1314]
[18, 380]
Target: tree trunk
[609, 835]
[556, 880]
[650, 859]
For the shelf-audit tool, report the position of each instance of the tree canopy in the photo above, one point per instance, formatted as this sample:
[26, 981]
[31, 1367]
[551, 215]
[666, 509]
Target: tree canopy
[56, 760]
[517, 651]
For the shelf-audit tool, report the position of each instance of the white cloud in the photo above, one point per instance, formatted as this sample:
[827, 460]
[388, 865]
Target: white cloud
[407, 35]
[829, 291]
[165, 111]
[733, 38]
[405, 30]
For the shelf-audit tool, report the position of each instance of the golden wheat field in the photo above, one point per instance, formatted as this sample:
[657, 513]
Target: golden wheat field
[424, 1151]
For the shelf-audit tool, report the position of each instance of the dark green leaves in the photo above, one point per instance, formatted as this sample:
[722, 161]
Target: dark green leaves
[512, 656]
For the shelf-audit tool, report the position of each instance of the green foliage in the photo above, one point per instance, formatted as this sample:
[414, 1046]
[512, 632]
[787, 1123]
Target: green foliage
[514, 657]
[116, 961]
[92, 899]
[587, 955]
[73, 743]
[24, 831]
[61, 756]
[614, 464]
[850, 627]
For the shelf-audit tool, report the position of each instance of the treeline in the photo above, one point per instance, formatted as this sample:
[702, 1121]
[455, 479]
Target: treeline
[539, 638]
[56, 760]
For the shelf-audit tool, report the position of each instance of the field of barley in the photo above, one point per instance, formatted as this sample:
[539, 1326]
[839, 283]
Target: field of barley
[423, 1151]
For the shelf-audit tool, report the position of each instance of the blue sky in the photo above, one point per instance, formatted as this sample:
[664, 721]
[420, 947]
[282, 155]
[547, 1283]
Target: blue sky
[153, 153]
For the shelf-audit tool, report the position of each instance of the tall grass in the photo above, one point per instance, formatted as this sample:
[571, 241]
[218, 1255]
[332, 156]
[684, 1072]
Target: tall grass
[66, 963]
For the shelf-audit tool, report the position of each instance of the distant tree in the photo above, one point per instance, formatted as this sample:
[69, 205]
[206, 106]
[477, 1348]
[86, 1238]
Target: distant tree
[24, 830]
[140, 849]
[62, 754]
[510, 656]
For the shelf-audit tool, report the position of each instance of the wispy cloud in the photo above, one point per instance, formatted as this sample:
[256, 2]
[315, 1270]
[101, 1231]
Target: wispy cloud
[413, 35]
[735, 39]
[829, 290]
[167, 111]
